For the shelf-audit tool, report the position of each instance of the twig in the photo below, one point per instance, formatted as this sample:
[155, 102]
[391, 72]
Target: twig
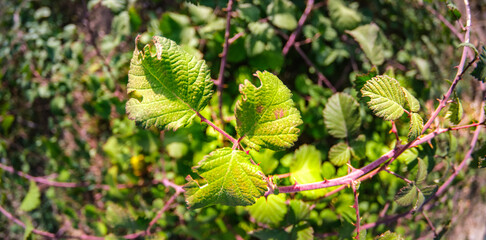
[229, 137]
[398, 176]
[431, 225]
[303, 18]
[17, 221]
[159, 213]
[219, 81]
[356, 207]
[444, 21]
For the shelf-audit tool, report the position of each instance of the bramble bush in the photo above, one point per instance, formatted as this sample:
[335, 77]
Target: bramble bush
[239, 120]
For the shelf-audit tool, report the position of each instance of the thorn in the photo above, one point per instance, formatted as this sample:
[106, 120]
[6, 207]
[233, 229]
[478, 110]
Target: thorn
[325, 180]
[430, 144]
[295, 181]
[247, 152]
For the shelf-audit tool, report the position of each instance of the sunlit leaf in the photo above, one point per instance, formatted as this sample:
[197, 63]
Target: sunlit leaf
[31, 200]
[299, 211]
[368, 37]
[413, 103]
[387, 97]
[172, 84]
[269, 210]
[281, 14]
[341, 115]
[407, 195]
[361, 80]
[340, 154]
[306, 168]
[232, 179]
[265, 115]
[416, 126]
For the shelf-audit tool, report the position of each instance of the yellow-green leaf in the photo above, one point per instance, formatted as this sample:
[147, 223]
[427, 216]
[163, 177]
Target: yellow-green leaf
[387, 97]
[32, 200]
[341, 115]
[265, 115]
[413, 103]
[416, 126]
[340, 154]
[306, 168]
[269, 210]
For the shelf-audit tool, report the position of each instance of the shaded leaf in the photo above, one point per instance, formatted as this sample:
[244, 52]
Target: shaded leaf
[231, 180]
[387, 97]
[423, 195]
[271, 234]
[269, 210]
[368, 38]
[173, 85]
[413, 103]
[455, 112]
[407, 195]
[340, 154]
[358, 147]
[302, 231]
[454, 10]
[306, 168]
[265, 115]
[31, 200]
[248, 12]
[480, 71]
[416, 126]
[422, 171]
[341, 115]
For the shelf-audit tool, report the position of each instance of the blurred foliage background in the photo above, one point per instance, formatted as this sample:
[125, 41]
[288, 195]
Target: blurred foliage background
[63, 72]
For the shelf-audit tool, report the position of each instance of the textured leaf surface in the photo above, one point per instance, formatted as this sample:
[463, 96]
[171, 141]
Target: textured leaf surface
[416, 126]
[340, 154]
[369, 40]
[387, 97]
[231, 180]
[269, 210]
[480, 71]
[306, 169]
[413, 103]
[265, 115]
[299, 210]
[302, 231]
[422, 171]
[167, 85]
[361, 80]
[455, 112]
[407, 195]
[32, 200]
[341, 115]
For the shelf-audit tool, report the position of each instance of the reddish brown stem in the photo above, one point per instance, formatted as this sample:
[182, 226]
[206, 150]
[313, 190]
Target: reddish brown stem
[303, 18]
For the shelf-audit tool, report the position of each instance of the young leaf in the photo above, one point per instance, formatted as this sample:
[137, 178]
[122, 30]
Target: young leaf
[299, 210]
[480, 71]
[231, 180]
[368, 37]
[407, 195]
[341, 115]
[281, 14]
[302, 231]
[416, 126]
[343, 17]
[306, 168]
[422, 172]
[170, 84]
[265, 115]
[269, 210]
[423, 195]
[413, 103]
[340, 154]
[455, 112]
[32, 200]
[387, 97]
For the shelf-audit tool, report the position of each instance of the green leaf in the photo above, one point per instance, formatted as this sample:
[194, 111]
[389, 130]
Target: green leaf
[358, 147]
[248, 12]
[232, 179]
[271, 234]
[480, 71]
[413, 103]
[265, 115]
[281, 14]
[28, 228]
[455, 112]
[368, 38]
[341, 115]
[407, 195]
[423, 195]
[173, 85]
[387, 97]
[361, 80]
[269, 210]
[343, 17]
[302, 231]
[390, 236]
[306, 168]
[422, 172]
[340, 154]
[454, 10]
[32, 199]
[299, 211]
[416, 126]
